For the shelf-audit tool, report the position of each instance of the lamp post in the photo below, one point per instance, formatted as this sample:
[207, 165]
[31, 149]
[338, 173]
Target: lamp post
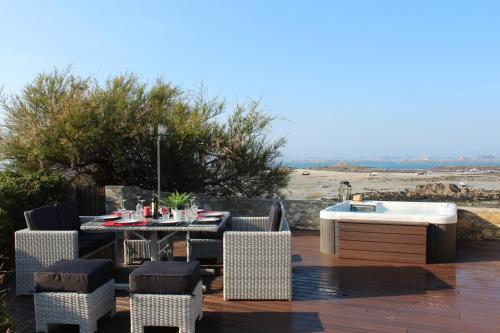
[161, 132]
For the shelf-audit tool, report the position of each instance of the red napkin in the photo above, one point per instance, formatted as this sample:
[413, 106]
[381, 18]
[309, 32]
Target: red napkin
[114, 224]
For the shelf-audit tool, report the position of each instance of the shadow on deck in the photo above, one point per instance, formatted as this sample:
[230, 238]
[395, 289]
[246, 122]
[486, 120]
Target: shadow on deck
[323, 283]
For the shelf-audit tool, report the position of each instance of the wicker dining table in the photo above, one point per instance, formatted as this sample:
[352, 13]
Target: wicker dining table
[152, 227]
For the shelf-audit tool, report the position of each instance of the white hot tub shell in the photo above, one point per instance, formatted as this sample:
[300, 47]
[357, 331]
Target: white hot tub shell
[394, 211]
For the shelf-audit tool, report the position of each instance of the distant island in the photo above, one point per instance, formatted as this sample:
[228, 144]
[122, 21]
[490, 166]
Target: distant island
[486, 161]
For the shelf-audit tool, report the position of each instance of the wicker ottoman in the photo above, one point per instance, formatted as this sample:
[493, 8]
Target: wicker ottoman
[166, 293]
[78, 292]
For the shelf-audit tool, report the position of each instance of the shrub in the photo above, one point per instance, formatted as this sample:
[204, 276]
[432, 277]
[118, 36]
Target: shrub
[100, 133]
[21, 191]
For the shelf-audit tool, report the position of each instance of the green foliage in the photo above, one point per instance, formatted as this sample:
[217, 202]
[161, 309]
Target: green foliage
[21, 191]
[6, 229]
[6, 319]
[176, 200]
[100, 134]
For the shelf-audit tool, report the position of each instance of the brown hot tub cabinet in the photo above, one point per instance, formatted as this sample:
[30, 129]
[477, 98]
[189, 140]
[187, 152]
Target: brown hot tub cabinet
[391, 241]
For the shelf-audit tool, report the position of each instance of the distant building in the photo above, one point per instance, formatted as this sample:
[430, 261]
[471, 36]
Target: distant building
[486, 157]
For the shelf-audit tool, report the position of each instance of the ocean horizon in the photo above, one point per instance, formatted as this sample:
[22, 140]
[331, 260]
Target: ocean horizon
[394, 165]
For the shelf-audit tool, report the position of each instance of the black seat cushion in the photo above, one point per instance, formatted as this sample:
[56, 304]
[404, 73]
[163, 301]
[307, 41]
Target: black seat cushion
[165, 277]
[67, 213]
[77, 275]
[207, 235]
[88, 242]
[273, 223]
[43, 218]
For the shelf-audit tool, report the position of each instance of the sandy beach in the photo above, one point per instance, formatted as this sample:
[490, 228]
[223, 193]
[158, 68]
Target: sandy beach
[325, 183]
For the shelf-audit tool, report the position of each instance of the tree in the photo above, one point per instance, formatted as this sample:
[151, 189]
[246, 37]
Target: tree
[92, 133]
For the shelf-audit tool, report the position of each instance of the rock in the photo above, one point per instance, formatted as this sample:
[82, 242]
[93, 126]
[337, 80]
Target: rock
[487, 232]
[437, 192]
[453, 188]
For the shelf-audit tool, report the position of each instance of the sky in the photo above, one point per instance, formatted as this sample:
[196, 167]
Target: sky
[349, 78]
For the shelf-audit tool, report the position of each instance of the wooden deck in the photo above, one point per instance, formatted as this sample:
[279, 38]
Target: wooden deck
[345, 295]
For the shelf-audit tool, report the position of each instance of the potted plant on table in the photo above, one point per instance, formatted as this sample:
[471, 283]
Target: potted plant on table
[176, 201]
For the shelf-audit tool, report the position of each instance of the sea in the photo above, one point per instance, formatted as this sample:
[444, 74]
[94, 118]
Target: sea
[395, 165]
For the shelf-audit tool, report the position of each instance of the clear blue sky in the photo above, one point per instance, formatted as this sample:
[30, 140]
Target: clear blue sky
[353, 78]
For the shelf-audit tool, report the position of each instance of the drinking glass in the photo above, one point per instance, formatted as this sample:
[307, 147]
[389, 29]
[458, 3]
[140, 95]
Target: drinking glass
[190, 214]
[164, 212]
[186, 215]
[183, 215]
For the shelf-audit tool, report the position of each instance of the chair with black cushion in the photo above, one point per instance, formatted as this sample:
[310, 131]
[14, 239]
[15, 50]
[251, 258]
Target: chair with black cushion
[77, 292]
[166, 293]
[257, 257]
[205, 245]
[54, 234]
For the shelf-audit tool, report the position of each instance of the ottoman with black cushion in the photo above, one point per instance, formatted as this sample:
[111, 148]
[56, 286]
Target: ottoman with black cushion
[166, 293]
[78, 292]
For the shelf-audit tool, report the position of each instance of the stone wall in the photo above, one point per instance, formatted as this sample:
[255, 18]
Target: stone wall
[300, 213]
[473, 223]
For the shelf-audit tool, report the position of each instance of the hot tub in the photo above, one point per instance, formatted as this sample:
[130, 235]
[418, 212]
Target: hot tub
[413, 232]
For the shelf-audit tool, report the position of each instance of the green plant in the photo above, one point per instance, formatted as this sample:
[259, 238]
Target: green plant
[176, 200]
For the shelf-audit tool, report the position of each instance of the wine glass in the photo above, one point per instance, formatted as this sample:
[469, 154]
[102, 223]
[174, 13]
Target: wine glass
[193, 204]
[138, 207]
[123, 209]
[142, 208]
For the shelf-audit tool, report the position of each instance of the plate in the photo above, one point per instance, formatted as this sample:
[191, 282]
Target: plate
[167, 221]
[108, 218]
[208, 219]
[128, 221]
[214, 214]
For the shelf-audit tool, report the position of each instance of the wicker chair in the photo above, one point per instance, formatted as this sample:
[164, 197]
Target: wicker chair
[37, 249]
[257, 262]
